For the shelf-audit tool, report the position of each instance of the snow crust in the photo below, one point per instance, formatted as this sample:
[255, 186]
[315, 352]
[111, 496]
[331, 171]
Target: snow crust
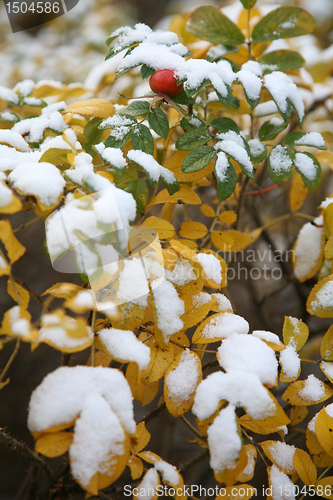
[123, 345]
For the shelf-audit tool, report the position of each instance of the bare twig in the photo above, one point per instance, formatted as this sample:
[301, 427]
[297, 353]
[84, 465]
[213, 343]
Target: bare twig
[33, 294]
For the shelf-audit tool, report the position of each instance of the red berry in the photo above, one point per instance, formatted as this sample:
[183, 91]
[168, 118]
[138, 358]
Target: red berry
[165, 82]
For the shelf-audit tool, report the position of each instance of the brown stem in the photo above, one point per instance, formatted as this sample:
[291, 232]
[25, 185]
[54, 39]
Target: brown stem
[33, 294]
[10, 361]
[190, 426]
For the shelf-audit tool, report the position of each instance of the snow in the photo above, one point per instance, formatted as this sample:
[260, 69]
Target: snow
[329, 410]
[8, 95]
[221, 166]
[324, 204]
[121, 121]
[312, 423]
[249, 354]
[233, 145]
[42, 180]
[169, 308]
[36, 126]
[239, 388]
[290, 362]
[13, 139]
[98, 442]
[224, 441]
[308, 250]
[200, 299]
[283, 455]
[311, 139]
[124, 346]
[19, 326]
[54, 142]
[53, 332]
[250, 81]
[8, 116]
[85, 299]
[25, 87]
[148, 485]
[265, 108]
[324, 297]
[62, 395]
[153, 169]
[182, 380]
[6, 195]
[313, 390]
[306, 166]
[211, 267]
[114, 156]
[10, 157]
[279, 160]
[224, 325]
[181, 274]
[133, 283]
[169, 472]
[32, 101]
[256, 147]
[224, 304]
[267, 336]
[282, 486]
[327, 368]
[282, 88]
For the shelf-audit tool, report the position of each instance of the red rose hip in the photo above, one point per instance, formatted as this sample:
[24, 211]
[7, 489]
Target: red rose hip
[165, 82]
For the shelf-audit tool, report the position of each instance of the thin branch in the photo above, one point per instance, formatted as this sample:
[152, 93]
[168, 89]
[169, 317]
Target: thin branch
[241, 199]
[190, 426]
[23, 226]
[24, 450]
[195, 461]
[155, 413]
[33, 294]
[10, 361]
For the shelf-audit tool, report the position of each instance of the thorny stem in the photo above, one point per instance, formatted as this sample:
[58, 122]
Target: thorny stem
[11, 359]
[190, 426]
[23, 449]
[37, 297]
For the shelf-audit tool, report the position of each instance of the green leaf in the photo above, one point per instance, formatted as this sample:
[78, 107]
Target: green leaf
[192, 123]
[227, 187]
[93, 135]
[146, 71]
[159, 122]
[56, 156]
[136, 108]
[311, 139]
[191, 140]
[198, 158]
[281, 60]
[224, 124]
[217, 52]
[248, 4]
[284, 22]
[127, 175]
[140, 192]
[117, 138]
[258, 151]
[309, 169]
[122, 72]
[269, 130]
[183, 98]
[142, 139]
[227, 101]
[172, 188]
[280, 163]
[193, 91]
[208, 23]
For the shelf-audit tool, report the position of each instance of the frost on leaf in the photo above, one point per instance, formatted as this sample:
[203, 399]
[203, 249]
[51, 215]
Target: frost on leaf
[181, 381]
[80, 395]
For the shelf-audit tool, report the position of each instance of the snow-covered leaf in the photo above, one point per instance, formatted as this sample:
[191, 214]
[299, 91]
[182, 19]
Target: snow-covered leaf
[284, 22]
[307, 392]
[270, 129]
[320, 299]
[280, 163]
[192, 139]
[311, 139]
[226, 176]
[281, 60]
[142, 139]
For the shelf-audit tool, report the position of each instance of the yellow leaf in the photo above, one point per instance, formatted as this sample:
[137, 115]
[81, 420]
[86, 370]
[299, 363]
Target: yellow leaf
[229, 476]
[224, 269]
[197, 306]
[239, 492]
[63, 290]
[293, 394]
[181, 339]
[305, 468]
[23, 295]
[14, 204]
[193, 230]
[295, 332]
[136, 466]
[164, 229]
[141, 438]
[188, 254]
[312, 443]
[270, 424]
[324, 431]
[114, 468]
[324, 487]
[174, 163]
[326, 346]
[54, 444]
[131, 317]
[222, 240]
[297, 193]
[74, 91]
[325, 157]
[100, 108]
[175, 403]
[231, 240]
[228, 216]
[160, 360]
[185, 195]
[270, 448]
[101, 359]
[207, 210]
[167, 211]
[298, 414]
[211, 330]
[322, 460]
[14, 248]
[319, 303]
[328, 251]
[17, 323]
[143, 393]
[55, 156]
[328, 220]
[248, 472]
